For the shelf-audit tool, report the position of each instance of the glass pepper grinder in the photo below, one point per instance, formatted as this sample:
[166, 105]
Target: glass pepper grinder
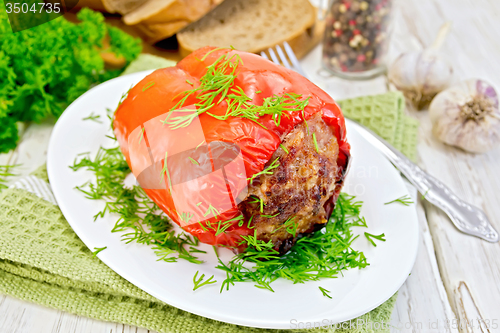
[356, 38]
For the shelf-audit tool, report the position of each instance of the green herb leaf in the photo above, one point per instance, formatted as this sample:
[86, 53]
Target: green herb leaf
[149, 85]
[195, 162]
[98, 250]
[266, 171]
[198, 283]
[93, 117]
[404, 200]
[284, 148]
[379, 237]
[325, 292]
[315, 142]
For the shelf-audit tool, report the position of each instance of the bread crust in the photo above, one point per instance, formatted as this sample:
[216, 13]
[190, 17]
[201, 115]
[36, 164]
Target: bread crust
[302, 39]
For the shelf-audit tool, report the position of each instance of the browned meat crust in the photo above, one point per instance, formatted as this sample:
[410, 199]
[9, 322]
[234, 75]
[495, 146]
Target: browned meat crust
[294, 195]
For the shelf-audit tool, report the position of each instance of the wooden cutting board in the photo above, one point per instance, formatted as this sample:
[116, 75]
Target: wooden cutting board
[168, 48]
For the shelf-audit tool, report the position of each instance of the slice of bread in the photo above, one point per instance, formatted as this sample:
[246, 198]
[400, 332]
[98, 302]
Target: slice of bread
[159, 19]
[252, 26]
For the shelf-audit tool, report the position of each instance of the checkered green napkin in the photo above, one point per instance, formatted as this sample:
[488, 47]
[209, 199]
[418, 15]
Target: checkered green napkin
[43, 261]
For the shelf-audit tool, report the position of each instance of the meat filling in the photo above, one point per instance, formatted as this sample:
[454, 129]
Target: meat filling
[290, 201]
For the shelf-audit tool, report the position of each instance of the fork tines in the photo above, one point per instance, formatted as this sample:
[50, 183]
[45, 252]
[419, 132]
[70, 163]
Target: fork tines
[286, 58]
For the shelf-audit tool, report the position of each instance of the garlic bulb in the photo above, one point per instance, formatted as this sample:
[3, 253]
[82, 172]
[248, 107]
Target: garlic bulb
[467, 116]
[421, 75]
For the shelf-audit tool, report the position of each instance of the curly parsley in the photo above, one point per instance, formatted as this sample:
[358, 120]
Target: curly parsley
[45, 68]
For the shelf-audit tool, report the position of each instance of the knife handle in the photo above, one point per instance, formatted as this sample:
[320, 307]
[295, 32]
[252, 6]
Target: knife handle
[466, 217]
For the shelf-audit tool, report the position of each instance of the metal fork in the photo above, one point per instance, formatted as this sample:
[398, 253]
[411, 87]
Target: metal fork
[467, 218]
[282, 60]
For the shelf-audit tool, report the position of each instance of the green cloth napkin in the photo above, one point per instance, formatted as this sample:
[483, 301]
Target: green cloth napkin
[43, 261]
[385, 115]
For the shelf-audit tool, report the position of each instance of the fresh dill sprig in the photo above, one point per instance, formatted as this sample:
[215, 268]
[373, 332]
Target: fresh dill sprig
[147, 86]
[142, 134]
[425, 194]
[284, 148]
[5, 172]
[270, 216]
[222, 227]
[315, 143]
[93, 117]
[290, 226]
[98, 250]
[164, 171]
[266, 171]
[380, 237]
[195, 162]
[259, 201]
[404, 200]
[325, 292]
[198, 283]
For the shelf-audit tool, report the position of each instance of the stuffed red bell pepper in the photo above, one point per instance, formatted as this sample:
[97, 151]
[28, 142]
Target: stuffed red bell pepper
[229, 144]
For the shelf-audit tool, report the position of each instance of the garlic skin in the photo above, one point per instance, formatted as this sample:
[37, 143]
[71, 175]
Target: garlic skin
[420, 76]
[467, 116]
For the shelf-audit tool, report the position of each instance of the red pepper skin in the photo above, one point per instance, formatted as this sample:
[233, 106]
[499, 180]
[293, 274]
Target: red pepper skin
[160, 91]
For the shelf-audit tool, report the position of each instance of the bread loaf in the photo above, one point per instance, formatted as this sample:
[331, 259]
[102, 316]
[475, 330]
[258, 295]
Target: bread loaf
[154, 19]
[252, 26]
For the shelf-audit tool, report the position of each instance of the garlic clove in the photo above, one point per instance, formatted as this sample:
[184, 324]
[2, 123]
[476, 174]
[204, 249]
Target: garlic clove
[420, 76]
[467, 116]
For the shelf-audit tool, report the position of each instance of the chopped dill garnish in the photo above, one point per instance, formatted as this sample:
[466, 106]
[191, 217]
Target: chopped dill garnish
[195, 162]
[325, 292]
[98, 250]
[199, 203]
[139, 218]
[379, 237]
[5, 172]
[222, 227]
[149, 85]
[315, 142]
[323, 254]
[200, 144]
[217, 86]
[93, 117]
[122, 98]
[425, 194]
[290, 226]
[259, 201]
[189, 82]
[165, 170]
[284, 148]
[142, 134]
[266, 171]
[211, 209]
[404, 200]
[198, 283]
[271, 216]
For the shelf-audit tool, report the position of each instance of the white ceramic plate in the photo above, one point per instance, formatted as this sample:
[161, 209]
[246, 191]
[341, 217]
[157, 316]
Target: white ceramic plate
[372, 179]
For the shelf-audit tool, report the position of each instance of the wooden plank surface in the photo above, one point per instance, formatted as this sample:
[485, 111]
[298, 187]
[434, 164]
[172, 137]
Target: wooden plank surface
[455, 276]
